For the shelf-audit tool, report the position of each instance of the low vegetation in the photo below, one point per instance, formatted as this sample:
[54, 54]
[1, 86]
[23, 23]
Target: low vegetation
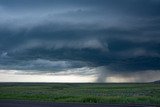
[148, 93]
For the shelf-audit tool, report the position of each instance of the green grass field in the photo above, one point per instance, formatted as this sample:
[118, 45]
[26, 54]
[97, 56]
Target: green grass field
[148, 93]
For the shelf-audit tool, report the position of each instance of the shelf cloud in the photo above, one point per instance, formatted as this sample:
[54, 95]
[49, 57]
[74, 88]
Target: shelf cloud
[115, 38]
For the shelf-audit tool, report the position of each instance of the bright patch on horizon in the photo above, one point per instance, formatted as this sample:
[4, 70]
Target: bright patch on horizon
[76, 76]
[18, 76]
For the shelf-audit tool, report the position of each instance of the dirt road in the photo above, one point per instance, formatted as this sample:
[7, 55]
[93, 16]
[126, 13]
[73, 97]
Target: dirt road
[39, 104]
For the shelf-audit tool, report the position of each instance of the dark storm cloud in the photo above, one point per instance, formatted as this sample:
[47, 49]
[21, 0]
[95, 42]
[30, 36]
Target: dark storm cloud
[122, 35]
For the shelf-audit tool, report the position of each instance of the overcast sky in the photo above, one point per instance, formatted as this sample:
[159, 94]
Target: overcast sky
[79, 40]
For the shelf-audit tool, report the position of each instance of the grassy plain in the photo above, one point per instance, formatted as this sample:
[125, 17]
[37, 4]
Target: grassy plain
[126, 93]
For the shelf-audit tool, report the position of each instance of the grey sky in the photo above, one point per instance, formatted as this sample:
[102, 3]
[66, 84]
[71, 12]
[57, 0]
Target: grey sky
[55, 35]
